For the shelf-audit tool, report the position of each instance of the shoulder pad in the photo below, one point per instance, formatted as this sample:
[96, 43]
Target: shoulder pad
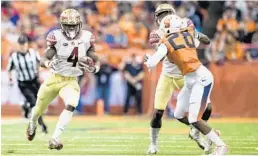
[88, 36]
[52, 36]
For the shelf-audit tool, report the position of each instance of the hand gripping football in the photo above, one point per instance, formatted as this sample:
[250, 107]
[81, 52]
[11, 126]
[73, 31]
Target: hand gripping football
[86, 61]
[86, 64]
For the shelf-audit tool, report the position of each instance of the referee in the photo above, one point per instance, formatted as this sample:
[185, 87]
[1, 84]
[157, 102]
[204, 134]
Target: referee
[25, 62]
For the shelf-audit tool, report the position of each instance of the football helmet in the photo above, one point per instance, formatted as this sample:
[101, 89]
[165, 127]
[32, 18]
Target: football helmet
[163, 10]
[70, 22]
[170, 24]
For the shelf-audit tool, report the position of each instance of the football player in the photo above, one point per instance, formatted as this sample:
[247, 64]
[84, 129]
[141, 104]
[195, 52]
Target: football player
[178, 46]
[171, 79]
[68, 54]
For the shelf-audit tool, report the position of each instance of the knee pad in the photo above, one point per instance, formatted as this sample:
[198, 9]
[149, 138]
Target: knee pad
[207, 113]
[156, 121]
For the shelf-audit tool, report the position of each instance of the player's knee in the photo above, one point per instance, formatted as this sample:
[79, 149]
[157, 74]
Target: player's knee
[156, 121]
[178, 114]
[70, 108]
[192, 118]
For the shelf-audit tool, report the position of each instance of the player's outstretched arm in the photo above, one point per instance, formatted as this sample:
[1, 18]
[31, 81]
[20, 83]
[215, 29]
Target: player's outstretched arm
[203, 38]
[45, 60]
[153, 60]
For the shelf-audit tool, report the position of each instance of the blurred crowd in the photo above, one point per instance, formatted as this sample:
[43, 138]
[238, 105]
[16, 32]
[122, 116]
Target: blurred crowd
[125, 25]
[237, 33]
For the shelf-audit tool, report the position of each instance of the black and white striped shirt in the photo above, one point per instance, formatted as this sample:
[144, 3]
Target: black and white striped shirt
[25, 64]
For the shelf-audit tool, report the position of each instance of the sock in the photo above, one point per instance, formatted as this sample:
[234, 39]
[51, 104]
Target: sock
[215, 138]
[154, 133]
[64, 119]
[34, 117]
[196, 131]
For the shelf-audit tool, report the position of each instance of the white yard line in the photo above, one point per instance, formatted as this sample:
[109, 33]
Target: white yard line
[96, 139]
[119, 145]
[14, 121]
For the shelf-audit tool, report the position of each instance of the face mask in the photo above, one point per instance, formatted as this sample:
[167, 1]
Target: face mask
[71, 31]
[72, 34]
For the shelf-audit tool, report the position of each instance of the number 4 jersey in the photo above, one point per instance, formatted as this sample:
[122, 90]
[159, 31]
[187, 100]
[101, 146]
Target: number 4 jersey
[65, 62]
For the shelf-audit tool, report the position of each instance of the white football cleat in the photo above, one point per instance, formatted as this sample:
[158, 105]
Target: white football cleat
[208, 148]
[152, 149]
[55, 144]
[31, 131]
[194, 134]
[220, 150]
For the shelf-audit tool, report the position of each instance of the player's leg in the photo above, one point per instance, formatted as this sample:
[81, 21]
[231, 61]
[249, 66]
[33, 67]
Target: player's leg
[181, 108]
[25, 104]
[195, 133]
[182, 105]
[205, 117]
[46, 94]
[128, 96]
[138, 97]
[198, 101]
[34, 87]
[70, 93]
[164, 90]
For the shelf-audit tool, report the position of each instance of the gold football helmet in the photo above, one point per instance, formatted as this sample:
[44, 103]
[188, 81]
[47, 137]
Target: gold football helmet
[70, 22]
[162, 10]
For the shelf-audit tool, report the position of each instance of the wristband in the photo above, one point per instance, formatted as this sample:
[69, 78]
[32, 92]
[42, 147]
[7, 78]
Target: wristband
[97, 69]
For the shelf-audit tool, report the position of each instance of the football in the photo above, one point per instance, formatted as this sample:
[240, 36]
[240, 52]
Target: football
[86, 61]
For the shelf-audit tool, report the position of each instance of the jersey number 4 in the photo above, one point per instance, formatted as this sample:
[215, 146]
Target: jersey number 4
[187, 38]
[73, 57]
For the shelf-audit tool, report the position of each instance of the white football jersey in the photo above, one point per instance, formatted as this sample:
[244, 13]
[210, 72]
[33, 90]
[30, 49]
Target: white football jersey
[65, 62]
[170, 69]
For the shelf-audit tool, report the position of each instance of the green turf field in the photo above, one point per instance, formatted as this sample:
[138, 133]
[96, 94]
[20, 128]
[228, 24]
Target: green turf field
[124, 136]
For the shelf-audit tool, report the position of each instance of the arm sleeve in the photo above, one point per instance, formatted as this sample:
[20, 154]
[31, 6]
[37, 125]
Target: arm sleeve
[155, 58]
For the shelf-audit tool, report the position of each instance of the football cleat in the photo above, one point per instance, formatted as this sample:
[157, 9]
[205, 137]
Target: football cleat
[208, 148]
[31, 131]
[195, 135]
[220, 150]
[44, 129]
[55, 144]
[152, 149]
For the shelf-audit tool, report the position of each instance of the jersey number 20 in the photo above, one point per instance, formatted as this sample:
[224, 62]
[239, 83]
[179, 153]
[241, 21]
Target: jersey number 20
[73, 57]
[187, 38]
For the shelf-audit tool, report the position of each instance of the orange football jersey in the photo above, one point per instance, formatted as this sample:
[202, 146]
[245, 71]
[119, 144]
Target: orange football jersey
[182, 50]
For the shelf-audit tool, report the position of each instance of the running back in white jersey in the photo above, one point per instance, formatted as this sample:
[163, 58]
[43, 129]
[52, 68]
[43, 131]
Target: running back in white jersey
[65, 62]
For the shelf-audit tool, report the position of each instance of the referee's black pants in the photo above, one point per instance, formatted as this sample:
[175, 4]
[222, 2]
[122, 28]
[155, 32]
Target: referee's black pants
[30, 90]
[132, 91]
